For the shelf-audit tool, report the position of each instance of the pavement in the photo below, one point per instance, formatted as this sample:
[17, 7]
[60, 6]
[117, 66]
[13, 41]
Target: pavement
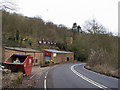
[37, 73]
[75, 76]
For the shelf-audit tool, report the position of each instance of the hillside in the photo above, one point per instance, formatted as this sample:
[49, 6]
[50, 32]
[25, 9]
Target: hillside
[100, 51]
[27, 28]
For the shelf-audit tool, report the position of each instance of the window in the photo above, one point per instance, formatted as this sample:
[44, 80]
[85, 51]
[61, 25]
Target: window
[40, 42]
[47, 58]
[54, 54]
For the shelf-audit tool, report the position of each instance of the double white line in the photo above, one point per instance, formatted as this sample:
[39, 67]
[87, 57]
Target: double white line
[89, 80]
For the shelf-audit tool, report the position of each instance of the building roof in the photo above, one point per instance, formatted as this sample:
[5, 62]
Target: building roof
[56, 51]
[23, 49]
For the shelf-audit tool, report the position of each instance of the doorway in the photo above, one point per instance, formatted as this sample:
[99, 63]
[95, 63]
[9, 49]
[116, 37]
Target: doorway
[68, 58]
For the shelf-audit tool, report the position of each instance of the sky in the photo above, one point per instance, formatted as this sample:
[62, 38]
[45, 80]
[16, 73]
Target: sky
[67, 12]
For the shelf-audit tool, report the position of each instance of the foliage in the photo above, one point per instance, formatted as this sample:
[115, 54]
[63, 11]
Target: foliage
[76, 28]
[18, 79]
[93, 27]
[30, 30]
[48, 62]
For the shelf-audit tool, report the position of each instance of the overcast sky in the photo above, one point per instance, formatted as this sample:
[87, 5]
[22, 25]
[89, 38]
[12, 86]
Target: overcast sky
[67, 12]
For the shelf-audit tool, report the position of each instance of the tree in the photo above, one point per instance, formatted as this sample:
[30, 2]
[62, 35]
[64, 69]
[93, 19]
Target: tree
[17, 35]
[79, 29]
[74, 27]
[93, 27]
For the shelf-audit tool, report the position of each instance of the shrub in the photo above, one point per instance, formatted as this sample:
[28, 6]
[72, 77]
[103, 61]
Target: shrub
[18, 78]
[48, 62]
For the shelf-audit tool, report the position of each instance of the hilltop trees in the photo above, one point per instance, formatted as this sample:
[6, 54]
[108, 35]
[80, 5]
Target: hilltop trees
[90, 26]
[76, 28]
[93, 27]
[79, 29]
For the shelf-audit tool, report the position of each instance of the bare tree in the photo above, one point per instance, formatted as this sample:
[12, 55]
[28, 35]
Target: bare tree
[7, 5]
[93, 27]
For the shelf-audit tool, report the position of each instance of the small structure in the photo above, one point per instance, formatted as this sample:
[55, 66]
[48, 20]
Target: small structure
[37, 55]
[58, 56]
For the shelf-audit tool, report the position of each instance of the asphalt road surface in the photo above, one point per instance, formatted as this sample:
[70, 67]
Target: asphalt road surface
[76, 76]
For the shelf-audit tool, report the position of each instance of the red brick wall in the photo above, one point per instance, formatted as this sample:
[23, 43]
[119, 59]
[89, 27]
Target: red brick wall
[62, 57]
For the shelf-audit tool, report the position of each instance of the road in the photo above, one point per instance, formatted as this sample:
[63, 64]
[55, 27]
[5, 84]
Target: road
[76, 76]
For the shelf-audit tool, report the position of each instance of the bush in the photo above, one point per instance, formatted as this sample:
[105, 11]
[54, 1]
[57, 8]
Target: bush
[48, 62]
[18, 79]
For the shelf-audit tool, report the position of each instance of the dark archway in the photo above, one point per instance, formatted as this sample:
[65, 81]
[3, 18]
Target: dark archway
[68, 58]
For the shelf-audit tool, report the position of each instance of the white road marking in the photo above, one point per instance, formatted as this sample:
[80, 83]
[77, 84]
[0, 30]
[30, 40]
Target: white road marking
[45, 80]
[37, 73]
[47, 72]
[87, 79]
[45, 77]
[45, 84]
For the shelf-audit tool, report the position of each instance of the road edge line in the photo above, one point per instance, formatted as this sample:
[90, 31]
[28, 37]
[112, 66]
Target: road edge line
[45, 78]
[45, 84]
[87, 79]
